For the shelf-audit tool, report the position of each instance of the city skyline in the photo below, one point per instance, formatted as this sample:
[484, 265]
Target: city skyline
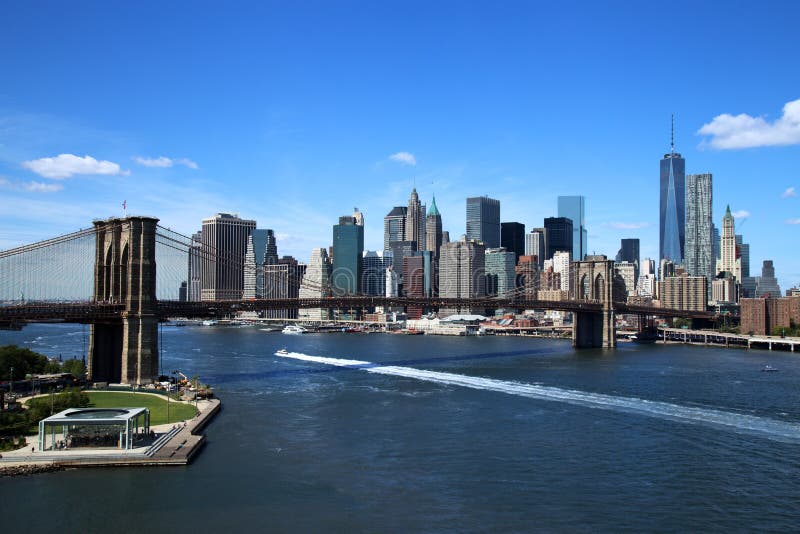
[186, 147]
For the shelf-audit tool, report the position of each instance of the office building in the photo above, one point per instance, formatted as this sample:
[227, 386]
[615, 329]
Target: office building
[316, 284]
[348, 247]
[574, 209]
[723, 289]
[628, 251]
[373, 271]
[647, 266]
[729, 262]
[195, 266]
[415, 221]
[766, 284]
[625, 274]
[684, 292]
[224, 244]
[743, 253]
[281, 280]
[559, 236]
[536, 245]
[401, 249]
[483, 221]
[512, 237]
[562, 265]
[394, 226]
[717, 241]
[646, 285]
[699, 259]
[261, 250]
[461, 273]
[433, 229]
[414, 282]
[500, 273]
[527, 276]
[672, 222]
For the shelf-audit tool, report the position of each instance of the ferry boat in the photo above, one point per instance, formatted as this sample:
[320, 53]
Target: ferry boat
[294, 329]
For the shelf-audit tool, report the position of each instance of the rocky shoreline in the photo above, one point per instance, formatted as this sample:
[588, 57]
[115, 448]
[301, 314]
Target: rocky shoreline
[30, 469]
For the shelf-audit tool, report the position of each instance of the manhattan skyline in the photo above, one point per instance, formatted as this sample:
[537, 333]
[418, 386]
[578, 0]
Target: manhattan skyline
[293, 116]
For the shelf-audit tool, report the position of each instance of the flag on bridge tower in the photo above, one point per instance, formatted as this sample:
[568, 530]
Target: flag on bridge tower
[125, 207]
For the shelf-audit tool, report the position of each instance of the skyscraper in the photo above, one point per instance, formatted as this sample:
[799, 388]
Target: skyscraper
[282, 279]
[512, 237]
[559, 235]
[574, 208]
[348, 247]
[195, 266]
[461, 273]
[316, 284]
[628, 251]
[415, 220]
[223, 252]
[766, 284]
[483, 221]
[699, 245]
[743, 253]
[433, 229]
[672, 222]
[561, 265]
[394, 226]
[728, 261]
[536, 245]
[261, 250]
[500, 275]
[373, 275]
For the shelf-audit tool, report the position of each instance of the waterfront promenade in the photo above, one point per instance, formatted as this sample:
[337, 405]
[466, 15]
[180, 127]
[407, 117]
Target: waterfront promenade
[707, 337]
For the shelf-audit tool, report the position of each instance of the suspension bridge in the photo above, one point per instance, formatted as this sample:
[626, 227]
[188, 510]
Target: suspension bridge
[106, 276]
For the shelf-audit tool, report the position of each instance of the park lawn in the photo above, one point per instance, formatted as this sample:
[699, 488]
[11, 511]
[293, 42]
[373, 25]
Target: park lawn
[157, 404]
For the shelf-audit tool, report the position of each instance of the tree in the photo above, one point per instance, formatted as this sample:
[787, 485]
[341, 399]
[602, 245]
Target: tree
[24, 361]
[75, 367]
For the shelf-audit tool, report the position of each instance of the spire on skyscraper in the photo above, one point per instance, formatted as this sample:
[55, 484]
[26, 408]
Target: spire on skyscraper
[672, 135]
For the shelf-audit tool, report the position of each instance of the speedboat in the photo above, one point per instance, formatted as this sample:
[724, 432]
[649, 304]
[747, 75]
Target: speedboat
[294, 329]
[282, 352]
[768, 369]
[210, 322]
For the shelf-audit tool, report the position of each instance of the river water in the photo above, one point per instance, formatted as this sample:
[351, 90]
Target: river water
[388, 433]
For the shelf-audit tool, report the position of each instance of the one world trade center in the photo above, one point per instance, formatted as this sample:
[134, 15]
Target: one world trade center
[672, 224]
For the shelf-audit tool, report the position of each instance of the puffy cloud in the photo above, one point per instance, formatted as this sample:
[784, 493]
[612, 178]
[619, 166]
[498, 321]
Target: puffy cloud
[790, 192]
[406, 158]
[745, 131]
[163, 161]
[741, 214]
[627, 226]
[66, 165]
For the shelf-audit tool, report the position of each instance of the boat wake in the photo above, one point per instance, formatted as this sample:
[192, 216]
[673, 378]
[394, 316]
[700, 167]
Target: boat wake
[770, 428]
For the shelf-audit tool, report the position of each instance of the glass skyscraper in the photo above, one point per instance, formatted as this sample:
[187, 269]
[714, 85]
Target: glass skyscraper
[699, 245]
[672, 223]
[483, 220]
[574, 208]
[348, 247]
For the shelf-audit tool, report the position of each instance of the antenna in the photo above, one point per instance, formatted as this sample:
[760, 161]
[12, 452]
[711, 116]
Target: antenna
[672, 135]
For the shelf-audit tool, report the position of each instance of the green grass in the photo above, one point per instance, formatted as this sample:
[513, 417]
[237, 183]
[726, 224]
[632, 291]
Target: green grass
[157, 404]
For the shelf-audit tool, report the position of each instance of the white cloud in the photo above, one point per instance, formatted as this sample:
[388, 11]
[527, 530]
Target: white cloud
[66, 165]
[745, 131]
[627, 226]
[40, 187]
[406, 158]
[793, 221]
[790, 192]
[163, 161]
[741, 214]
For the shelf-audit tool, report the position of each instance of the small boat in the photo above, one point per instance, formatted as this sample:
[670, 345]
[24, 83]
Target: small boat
[282, 352]
[294, 329]
[210, 322]
[768, 369]
[644, 337]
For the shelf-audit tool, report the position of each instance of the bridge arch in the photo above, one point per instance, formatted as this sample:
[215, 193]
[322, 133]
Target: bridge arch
[599, 288]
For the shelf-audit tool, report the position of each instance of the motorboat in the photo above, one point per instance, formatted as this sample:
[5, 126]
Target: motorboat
[644, 337]
[768, 369]
[282, 352]
[210, 322]
[294, 329]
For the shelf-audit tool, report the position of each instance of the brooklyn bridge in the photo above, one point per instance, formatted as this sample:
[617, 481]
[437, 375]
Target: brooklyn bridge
[107, 276]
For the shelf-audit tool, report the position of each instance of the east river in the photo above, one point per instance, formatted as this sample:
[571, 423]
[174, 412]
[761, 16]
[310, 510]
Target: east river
[492, 434]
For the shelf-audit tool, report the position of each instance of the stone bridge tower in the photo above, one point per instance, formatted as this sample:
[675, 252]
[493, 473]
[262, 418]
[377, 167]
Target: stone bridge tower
[594, 281]
[125, 350]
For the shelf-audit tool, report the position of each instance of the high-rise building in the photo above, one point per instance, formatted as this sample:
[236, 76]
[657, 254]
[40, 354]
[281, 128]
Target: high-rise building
[723, 289]
[195, 266]
[626, 273]
[527, 276]
[394, 226]
[445, 236]
[483, 221]
[281, 280]
[461, 273]
[358, 217]
[401, 249]
[647, 266]
[628, 251]
[348, 247]
[261, 250]
[373, 271]
[743, 253]
[316, 284]
[223, 253]
[574, 208]
[716, 238]
[536, 245]
[559, 235]
[698, 249]
[672, 222]
[414, 282]
[415, 220]
[250, 270]
[766, 284]
[500, 273]
[684, 292]
[433, 229]
[561, 265]
[728, 261]
[512, 237]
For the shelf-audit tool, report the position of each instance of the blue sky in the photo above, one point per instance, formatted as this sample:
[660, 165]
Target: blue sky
[288, 113]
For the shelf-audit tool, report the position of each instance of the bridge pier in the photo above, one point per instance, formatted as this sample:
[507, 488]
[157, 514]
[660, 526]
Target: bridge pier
[594, 330]
[594, 281]
[125, 351]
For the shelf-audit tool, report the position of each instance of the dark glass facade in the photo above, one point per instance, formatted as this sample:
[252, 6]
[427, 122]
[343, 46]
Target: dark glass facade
[348, 247]
[483, 221]
[559, 235]
[574, 208]
[672, 223]
[512, 237]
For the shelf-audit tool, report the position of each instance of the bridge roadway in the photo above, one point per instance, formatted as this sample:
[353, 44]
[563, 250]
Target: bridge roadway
[93, 312]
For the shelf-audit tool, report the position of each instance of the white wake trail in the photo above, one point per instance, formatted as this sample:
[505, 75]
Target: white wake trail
[687, 414]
